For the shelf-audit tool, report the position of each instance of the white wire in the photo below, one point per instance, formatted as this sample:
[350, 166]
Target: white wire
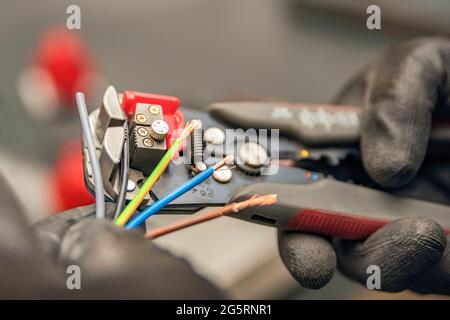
[89, 140]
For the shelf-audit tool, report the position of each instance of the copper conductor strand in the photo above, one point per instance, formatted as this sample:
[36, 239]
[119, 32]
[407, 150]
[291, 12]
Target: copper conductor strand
[264, 200]
[224, 161]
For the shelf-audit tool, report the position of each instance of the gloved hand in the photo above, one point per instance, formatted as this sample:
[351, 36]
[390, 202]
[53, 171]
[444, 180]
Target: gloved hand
[401, 92]
[114, 264]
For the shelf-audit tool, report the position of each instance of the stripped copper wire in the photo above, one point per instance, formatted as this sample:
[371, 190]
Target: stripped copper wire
[263, 200]
[224, 161]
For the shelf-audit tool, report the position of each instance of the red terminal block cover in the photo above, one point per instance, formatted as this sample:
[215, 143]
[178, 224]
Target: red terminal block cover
[169, 105]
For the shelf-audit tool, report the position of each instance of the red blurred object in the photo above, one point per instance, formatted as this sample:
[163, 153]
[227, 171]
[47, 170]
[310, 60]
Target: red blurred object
[63, 55]
[169, 104]
[67, 178]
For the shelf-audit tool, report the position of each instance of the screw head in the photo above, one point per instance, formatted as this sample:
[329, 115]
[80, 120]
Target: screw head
[223, 175]
[142, 132]
[201, 166]
[159, 129]
[130, 185]
[141, 118]
[148, 142]
[154, 109]
[253, 154]
[214, 135]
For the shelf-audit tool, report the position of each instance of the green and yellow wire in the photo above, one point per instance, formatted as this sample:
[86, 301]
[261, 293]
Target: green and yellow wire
[126, 214]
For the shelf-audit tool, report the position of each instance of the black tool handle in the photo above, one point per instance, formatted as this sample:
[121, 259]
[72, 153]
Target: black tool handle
[308, 123]
[335, 209]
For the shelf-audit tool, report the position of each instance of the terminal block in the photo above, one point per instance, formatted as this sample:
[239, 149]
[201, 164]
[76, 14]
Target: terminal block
[147, 140]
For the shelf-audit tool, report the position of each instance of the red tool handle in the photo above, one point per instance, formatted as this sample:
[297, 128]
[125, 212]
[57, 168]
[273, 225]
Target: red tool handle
[335, 209]
[335, 224]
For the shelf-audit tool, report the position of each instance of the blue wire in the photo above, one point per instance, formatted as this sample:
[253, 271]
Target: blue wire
[161, 203]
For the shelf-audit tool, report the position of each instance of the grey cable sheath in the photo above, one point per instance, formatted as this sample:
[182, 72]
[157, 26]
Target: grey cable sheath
[89, 140]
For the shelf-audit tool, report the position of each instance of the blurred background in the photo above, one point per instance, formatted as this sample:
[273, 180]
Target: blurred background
[201, 51]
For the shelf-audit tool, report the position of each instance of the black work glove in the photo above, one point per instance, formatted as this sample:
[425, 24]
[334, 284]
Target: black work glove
[400, 92]
[114, 263]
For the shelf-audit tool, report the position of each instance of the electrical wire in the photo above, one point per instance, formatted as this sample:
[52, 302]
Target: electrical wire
[264, 200]
[124, 171]
[156, 173]
[161, 203]
[90, 144]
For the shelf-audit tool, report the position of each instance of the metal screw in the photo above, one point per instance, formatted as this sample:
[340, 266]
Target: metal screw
[201, 166]
[154, 109]
[141, 118]
[148, 142]
[130, 185]
[142, 132]
[198, 167]
[214, 135]
[222, 175]
[253, 154]
[159, 129]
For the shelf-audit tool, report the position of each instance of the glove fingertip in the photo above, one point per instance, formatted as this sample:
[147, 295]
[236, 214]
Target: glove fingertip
[310, 259]
[403, 250]
[389, 166]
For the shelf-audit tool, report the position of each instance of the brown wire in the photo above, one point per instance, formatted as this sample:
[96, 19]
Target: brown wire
[224, 161]
[264, 200]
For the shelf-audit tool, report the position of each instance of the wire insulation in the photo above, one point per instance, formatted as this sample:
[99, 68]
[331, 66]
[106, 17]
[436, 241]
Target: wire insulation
[154, 176]
[161, 203]
[90, 144]
[264, 200]
[124, 171]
